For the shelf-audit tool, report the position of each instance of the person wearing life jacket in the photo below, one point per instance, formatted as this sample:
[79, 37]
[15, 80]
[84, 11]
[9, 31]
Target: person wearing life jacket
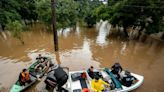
[83, 82]
[24, 77]
[85, 90]
[98, 84]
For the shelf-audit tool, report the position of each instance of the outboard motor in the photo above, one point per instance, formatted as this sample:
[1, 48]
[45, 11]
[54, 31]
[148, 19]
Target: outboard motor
[56, 78]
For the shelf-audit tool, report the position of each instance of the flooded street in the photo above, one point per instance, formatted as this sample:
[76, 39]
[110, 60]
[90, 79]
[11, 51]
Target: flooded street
[79, 49]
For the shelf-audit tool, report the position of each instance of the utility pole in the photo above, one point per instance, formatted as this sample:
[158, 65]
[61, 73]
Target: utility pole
[53, 6]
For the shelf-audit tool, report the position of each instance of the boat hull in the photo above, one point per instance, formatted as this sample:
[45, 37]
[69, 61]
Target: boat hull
[75, 85]
[33, 77]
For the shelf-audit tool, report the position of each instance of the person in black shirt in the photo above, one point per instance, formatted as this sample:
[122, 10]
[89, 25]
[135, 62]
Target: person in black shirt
[90, 72]
[128, 79]
[116, 70]
[40, 58]
[93, 73]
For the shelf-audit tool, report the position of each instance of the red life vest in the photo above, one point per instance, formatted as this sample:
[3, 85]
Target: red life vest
[86, 90]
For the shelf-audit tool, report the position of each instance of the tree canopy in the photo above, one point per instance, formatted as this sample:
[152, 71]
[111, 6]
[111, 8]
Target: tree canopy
[148, 15]
[16, 29]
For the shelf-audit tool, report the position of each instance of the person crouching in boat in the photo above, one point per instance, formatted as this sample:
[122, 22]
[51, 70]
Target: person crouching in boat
[116, 70]
[24, 77]
[40, 58]
[90, 72]
[93, 73]
[98, 84]
[127, 79]
[42, 66]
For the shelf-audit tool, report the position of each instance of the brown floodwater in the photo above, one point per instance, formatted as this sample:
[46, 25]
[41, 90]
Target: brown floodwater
[80, 48]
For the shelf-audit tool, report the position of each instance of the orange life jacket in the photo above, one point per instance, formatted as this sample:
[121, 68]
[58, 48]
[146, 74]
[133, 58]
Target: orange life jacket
[84, 75]
[23, 79]
[27, 77]
[86, 90]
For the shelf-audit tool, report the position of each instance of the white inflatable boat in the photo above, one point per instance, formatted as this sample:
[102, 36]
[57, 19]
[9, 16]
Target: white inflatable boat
[75, 84]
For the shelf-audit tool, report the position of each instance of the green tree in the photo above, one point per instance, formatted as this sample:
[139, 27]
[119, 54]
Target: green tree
[65, 12]
[102, 12]
[44, 11]
[16, 29]
[12, 10]
[8, 12]
[27, 10]
[145, 14]
[86, 13]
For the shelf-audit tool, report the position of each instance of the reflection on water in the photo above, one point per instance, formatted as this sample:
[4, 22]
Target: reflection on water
[80, 58]
[77, 30]
[79, 49]
[123, 48]
[64, 32]
[103, 32]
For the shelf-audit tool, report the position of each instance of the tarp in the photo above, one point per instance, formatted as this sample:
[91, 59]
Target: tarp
[117, 83]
